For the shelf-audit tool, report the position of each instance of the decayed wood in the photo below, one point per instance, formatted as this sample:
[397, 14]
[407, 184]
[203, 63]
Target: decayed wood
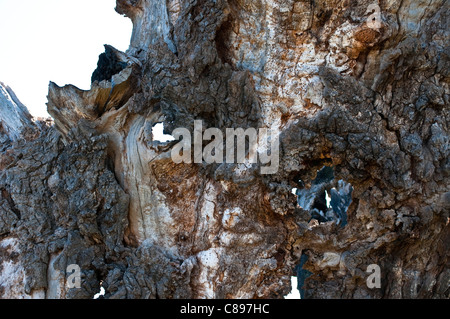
[360, 87]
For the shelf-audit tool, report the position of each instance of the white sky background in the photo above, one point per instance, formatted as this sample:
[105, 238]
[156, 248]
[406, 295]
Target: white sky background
[55, 40]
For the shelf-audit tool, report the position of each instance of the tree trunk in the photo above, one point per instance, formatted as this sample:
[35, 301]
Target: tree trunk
[355, 92]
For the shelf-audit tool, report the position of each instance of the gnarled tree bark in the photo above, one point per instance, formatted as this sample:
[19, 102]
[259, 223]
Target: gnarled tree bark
[359, 87]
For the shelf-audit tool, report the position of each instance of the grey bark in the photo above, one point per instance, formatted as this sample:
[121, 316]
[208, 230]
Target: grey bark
[372, 103]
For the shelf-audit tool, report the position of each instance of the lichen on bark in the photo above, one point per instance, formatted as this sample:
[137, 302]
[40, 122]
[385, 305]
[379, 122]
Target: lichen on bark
[366, 99]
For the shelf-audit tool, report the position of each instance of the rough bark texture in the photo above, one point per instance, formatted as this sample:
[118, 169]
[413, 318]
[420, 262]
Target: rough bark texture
[371, 103]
